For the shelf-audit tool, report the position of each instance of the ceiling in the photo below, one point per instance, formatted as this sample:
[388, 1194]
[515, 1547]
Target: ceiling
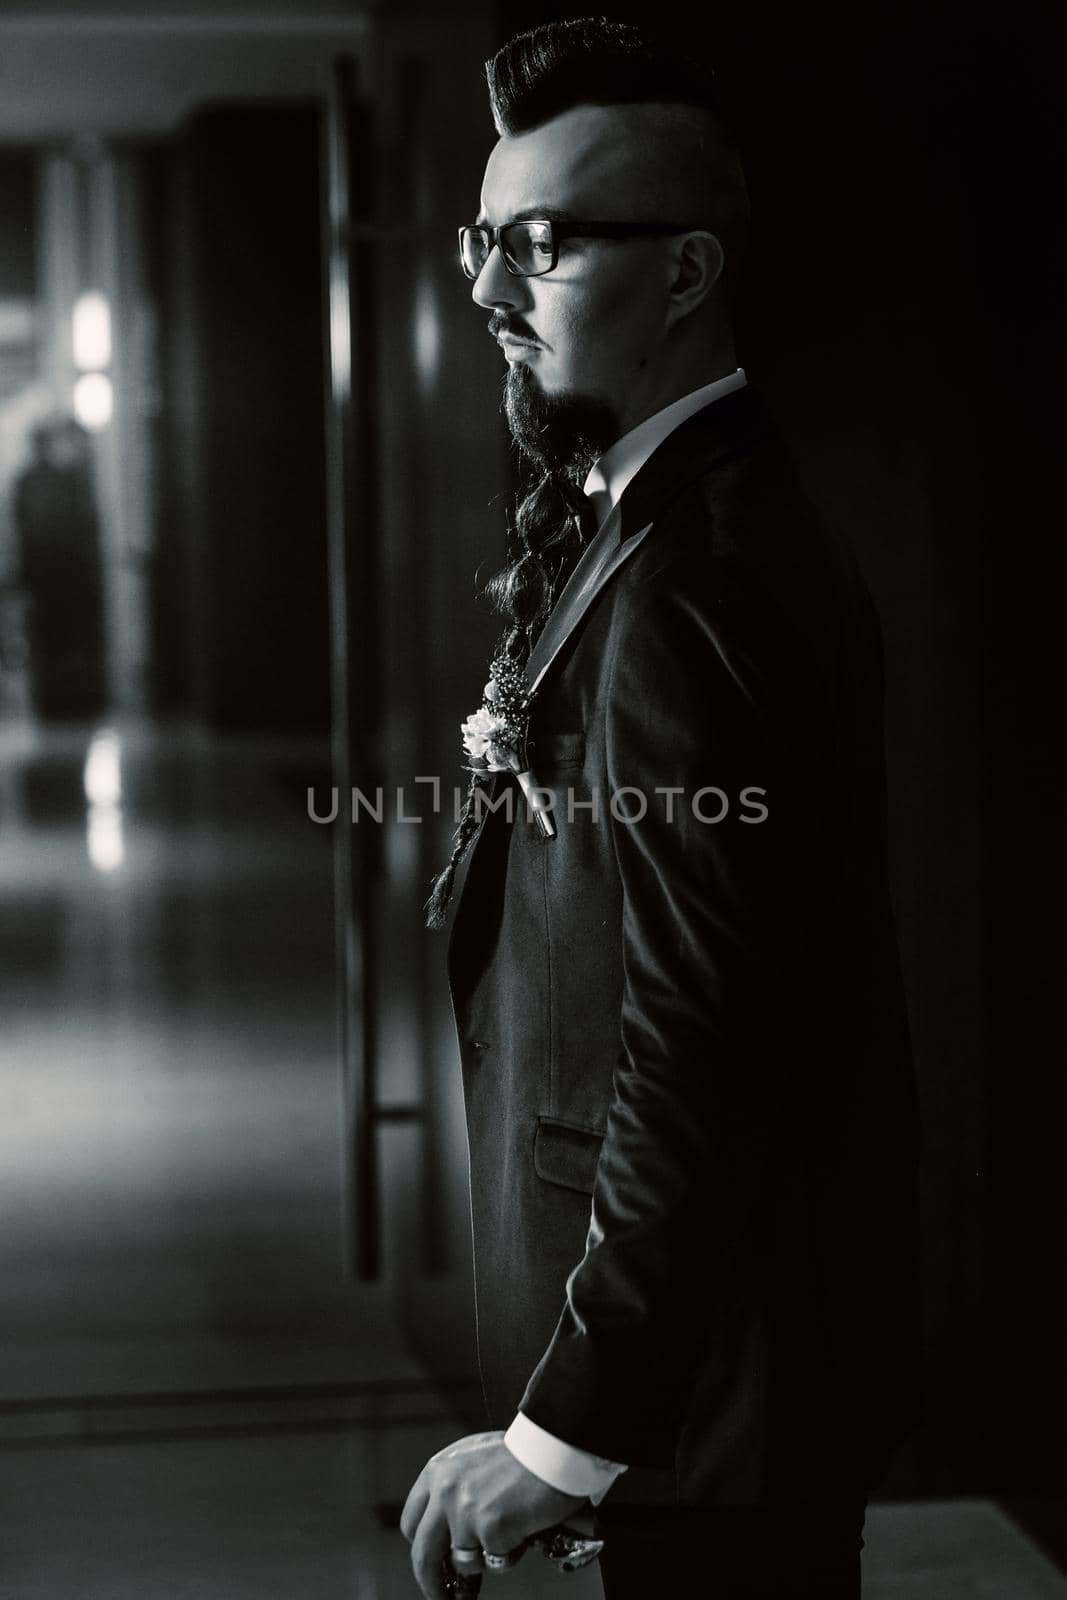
[70, 70]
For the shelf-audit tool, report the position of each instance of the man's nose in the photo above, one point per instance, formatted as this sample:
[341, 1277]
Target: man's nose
[496, 286]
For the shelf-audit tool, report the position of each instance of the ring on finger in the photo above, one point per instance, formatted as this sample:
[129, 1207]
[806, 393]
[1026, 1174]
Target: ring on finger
[497, 1563]
[466, 1552]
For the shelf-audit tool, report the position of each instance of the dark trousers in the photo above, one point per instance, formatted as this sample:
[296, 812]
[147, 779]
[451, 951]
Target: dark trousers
[793, 1552]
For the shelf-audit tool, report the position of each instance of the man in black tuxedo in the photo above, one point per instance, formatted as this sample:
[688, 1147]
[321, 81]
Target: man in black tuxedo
[685, 1048]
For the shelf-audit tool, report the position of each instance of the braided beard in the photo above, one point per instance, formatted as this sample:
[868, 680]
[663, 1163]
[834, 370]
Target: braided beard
[562, 436]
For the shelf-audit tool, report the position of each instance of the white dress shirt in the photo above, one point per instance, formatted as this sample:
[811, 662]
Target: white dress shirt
[610, 475]
[563, 1466]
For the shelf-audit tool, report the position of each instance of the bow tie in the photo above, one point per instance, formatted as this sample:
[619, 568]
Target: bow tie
[581, 509]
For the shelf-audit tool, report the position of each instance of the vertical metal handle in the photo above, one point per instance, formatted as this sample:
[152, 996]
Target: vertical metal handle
[355, 654]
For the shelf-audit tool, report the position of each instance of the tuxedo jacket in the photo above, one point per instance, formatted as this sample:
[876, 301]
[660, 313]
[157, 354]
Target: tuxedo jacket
[685, 1050]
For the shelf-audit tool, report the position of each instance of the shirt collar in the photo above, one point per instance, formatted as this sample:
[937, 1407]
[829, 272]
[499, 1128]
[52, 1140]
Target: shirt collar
[610, 475]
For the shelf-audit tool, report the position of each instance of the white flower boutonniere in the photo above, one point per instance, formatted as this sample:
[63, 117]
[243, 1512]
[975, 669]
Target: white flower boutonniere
[494, 736]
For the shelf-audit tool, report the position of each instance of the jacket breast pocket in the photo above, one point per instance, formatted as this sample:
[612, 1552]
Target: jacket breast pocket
[553, 750]
[566, 1154]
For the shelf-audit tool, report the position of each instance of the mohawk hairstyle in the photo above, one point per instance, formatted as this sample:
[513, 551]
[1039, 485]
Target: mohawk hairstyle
[549, 69]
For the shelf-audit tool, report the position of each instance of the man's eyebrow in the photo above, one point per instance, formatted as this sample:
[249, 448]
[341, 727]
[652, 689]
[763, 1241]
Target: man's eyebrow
[533, 214]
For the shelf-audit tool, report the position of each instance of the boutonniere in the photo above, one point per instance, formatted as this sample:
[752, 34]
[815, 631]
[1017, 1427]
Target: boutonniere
[495, 735]
[494, 739]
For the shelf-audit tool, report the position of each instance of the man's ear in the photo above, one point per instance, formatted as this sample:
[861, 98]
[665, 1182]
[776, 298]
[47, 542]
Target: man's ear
[697, 267]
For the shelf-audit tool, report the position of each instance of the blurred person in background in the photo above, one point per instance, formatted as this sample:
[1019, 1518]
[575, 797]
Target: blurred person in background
[59, 571]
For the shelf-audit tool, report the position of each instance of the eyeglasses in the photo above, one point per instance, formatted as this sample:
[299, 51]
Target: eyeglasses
[529, 249]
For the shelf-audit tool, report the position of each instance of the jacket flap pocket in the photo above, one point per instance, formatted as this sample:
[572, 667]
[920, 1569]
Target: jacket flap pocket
[566, 1154]
[557, 749]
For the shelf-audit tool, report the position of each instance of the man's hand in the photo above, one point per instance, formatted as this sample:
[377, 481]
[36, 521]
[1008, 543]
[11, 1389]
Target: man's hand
[475, 1495]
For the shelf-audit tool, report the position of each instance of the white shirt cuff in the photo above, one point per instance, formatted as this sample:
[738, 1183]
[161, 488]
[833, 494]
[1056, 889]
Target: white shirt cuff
[562, 1466]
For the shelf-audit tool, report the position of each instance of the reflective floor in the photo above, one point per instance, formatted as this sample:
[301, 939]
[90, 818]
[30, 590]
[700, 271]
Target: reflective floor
[170, 1100]
[194, 1400]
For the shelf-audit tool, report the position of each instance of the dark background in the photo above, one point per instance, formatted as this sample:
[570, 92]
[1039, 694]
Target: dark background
[901, 308]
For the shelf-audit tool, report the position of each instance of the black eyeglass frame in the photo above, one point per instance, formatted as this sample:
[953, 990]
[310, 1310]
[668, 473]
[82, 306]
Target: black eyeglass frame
[561, 230]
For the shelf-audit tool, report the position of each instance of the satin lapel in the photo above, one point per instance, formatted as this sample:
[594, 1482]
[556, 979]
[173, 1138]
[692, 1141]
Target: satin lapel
[708, 437]
[594, 571]
[597, 567]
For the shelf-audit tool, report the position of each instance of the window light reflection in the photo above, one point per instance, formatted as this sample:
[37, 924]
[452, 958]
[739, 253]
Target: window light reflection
[102, 781]
[104, 840]
[103, 769]
[93, 401]
[92, 332]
